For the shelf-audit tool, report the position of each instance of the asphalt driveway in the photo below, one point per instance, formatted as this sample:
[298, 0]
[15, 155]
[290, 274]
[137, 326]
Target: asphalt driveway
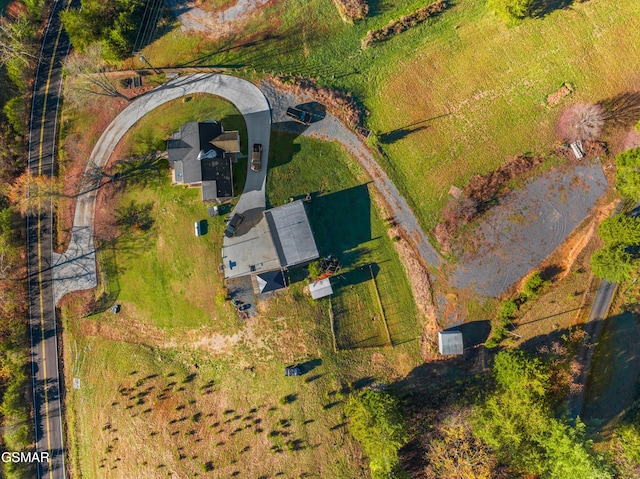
[247, 98]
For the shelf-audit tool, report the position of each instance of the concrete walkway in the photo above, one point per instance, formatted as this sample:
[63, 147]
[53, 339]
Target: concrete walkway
[76, 269]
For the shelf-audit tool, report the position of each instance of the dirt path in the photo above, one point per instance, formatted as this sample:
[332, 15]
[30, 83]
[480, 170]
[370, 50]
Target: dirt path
[213, 24]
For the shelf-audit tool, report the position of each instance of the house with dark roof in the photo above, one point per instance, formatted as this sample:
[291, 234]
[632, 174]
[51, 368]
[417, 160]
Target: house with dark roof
[201, 155]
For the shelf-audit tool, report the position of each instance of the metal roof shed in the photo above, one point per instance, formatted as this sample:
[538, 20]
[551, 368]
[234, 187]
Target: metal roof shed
[450, 343]
[291, 233]
[320, 289]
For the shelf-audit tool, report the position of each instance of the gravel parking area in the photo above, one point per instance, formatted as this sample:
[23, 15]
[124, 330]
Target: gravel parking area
[527, 226]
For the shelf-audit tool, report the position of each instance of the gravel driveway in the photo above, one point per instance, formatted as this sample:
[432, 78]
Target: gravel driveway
[330, 129]
[527, 226]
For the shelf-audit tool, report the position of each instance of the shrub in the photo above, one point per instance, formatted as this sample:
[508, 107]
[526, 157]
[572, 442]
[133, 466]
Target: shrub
[16, 114]
[533, 284]
[352, 10]
[513, 9]
[404, 23]
[314, 269]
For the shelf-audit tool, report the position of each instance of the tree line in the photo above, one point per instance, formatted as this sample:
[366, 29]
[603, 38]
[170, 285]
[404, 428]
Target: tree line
[619, 258]
[516, 426]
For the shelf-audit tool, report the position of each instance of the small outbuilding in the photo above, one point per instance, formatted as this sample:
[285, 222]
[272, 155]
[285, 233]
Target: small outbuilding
[320, 289]
[450, 343]
[270, 281]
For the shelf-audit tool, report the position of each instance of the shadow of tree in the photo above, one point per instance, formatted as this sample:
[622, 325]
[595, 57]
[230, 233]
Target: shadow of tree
[622, 110]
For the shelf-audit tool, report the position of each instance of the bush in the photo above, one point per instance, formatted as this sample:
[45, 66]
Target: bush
[533, 284]
[377, 422]
[513, 9]
[314, 269]
[352, 10]
[507, 309]
[16, 114]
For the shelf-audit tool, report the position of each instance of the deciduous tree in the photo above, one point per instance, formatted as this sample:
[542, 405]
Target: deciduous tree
[628, 173]
[377, 423]
[620, 228]
[513, 9]
[31, 194]
[613, 263]
[517, 423]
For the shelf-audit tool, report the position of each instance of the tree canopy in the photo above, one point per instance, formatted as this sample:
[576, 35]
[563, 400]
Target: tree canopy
[513, 9]
[377, 423]
[628, 173]
[620, 228]
[613, 263]
[516, 421]
[114, 24]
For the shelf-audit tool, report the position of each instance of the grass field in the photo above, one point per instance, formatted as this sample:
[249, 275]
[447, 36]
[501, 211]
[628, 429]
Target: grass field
[358, 322]
[452, 97]
[176, 384]
[346, 224]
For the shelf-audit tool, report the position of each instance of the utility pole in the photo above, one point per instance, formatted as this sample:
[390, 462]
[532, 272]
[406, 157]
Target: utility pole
[144, 60]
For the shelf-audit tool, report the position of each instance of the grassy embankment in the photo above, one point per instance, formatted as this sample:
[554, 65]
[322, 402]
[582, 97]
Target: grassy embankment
[449, 98]
[192, 389]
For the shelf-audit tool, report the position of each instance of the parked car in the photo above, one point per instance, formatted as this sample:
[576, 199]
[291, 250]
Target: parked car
[299, 115]
[232, 226]
[256, 157]
[292, 371]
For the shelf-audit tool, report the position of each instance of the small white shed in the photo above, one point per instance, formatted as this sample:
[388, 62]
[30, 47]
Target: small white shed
[320, 289]
[450, 343]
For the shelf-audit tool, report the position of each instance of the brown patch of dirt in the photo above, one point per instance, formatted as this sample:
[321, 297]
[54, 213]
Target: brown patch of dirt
[559, 94]
[118, 328]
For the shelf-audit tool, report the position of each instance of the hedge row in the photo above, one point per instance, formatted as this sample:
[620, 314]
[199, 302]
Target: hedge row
[404, 23]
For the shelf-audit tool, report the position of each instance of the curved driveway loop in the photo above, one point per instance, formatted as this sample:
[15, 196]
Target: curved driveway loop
[76, 269]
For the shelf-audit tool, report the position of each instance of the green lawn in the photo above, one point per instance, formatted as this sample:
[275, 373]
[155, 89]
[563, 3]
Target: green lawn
[177, 369]
[346, 223]
[452, 97]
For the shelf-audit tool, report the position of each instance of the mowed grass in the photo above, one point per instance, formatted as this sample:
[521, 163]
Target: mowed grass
[167, 272]
[176, 384]
[454, 96]
[358, 322]
[346, 223]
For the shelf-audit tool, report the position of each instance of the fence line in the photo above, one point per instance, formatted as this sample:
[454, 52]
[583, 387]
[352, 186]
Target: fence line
[384, 319]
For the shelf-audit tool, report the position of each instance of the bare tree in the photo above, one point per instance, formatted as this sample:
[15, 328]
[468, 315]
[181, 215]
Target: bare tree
[582, 121]
[16, 40]
[88, 77]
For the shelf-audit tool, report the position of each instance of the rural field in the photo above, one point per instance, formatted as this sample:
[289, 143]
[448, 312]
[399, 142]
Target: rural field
[449, 98]
[177, 385]
[178, 369]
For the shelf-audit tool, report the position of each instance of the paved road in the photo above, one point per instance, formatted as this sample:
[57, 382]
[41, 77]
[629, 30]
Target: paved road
[47, 385]
[76, 269]
[598, 314]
